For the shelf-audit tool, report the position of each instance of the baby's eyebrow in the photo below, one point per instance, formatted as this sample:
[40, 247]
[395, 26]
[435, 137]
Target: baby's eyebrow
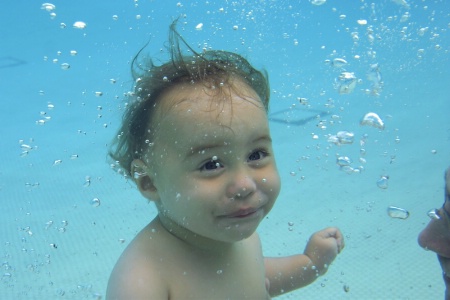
[215, 146]
[203, 148]
[264, 138]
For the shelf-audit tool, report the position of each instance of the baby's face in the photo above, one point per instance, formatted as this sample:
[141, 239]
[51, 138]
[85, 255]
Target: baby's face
[212, 162]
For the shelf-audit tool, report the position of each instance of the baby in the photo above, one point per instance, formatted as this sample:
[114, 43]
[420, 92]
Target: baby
[436, 235]
[196, 141]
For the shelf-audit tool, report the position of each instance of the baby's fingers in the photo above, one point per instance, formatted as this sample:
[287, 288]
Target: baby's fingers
[334, 232]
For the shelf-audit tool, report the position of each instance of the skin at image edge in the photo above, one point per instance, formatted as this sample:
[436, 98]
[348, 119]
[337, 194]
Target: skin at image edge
[436, 236]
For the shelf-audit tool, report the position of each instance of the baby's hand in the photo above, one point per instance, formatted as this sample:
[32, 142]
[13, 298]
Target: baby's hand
[323, 247]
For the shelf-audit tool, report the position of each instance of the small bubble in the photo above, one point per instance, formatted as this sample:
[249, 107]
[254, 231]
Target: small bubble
[57, 162]
[98, 94]
[65, 66]
[434, 214]
[382, 183]
[343, 161]
[87, 181]
[73, 52]
[372, 119]
[95, 202]
[397, 212]
[79, 25]
[318, 2]
[361, 22]
[48, 7]
[48, 224]
[219, 272]
[115, 17]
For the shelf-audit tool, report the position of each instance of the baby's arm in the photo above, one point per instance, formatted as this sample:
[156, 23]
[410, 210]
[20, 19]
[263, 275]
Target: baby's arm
[289, 273]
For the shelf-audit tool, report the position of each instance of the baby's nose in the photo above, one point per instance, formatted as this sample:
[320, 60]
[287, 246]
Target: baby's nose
[241, 187]
[435, 237]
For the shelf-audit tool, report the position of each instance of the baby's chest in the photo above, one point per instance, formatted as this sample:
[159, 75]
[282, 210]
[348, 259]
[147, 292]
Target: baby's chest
[237, 280]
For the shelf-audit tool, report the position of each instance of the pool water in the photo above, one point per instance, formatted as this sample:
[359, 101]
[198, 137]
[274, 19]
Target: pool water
[64, 78]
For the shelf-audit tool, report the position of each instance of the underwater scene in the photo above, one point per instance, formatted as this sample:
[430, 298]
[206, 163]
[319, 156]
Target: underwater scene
[359, 117]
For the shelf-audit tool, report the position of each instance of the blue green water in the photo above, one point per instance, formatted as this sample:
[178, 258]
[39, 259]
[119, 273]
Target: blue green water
[62, 94]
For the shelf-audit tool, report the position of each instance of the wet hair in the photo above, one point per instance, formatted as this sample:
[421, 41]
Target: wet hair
[213, 68]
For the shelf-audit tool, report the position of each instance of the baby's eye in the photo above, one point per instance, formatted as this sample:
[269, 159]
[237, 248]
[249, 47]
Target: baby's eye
[257, 155]
[211, 166]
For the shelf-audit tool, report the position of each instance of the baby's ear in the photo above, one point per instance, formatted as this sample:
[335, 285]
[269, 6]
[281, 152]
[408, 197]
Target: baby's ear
[141, 175]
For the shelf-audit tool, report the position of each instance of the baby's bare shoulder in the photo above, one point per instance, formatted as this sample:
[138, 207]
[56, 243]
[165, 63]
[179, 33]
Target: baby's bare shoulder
[138, 274]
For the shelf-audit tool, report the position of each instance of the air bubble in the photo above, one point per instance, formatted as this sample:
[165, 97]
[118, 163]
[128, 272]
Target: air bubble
[397, 212]
[345, 137]
[79, 25]
[95, 202]
[434, 214]
[346, 82]
[382, 183]
[361, 22]
[48, 224]
[343, 161]
[87, 181]
[318, 2]
[339, 62]
[372, 119]
[48, 7]
[65, 66]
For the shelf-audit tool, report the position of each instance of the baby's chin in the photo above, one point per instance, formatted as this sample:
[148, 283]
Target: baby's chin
[436, 237]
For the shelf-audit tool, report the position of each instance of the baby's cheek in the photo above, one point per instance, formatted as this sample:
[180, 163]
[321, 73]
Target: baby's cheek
[272, 184]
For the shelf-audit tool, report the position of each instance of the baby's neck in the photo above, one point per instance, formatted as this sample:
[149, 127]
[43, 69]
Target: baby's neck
[194, 240]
